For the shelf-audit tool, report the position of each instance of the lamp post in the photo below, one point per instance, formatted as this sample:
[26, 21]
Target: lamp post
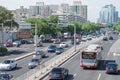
[74, 36]
[2, 35]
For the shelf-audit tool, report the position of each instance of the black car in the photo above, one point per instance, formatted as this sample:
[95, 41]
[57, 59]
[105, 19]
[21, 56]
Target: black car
[24, 41]
[52, 48]
[111, 67]
[110, 38]
[58, 73]
[5, 76]
[105, 38]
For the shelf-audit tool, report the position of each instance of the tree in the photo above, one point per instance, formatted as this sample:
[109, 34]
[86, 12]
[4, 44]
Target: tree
[4, 14]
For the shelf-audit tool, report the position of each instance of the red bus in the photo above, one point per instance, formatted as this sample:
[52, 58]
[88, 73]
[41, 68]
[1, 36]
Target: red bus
[90, 56]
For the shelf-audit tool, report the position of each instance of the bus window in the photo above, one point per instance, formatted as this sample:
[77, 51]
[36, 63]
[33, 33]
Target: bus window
[88, 55]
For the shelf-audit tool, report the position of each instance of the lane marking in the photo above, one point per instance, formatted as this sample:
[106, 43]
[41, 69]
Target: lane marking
[99, 76]
[74, 74]
[116, 54]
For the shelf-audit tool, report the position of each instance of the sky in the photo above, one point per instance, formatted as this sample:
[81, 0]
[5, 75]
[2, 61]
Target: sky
[94, 6]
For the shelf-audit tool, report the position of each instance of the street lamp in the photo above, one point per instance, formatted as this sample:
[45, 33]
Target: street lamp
[74, 36]
[2, 38]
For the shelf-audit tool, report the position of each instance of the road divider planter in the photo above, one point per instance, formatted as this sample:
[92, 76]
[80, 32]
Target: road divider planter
[45, 68]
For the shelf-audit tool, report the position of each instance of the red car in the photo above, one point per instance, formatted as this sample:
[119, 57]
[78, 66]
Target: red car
[8, 44]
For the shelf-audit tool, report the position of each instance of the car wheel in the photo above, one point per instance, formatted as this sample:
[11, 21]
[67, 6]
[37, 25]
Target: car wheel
[10, 68]
[16, 66]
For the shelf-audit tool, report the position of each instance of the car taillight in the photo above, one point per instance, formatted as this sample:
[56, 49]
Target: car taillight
[95, 64]
[81, 63]
[59, 75]
[50, 74]
[106, 68]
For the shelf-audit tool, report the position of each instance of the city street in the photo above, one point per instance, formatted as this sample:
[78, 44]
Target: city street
[78, 73]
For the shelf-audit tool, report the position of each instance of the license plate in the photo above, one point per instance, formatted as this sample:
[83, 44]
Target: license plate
[88, 66]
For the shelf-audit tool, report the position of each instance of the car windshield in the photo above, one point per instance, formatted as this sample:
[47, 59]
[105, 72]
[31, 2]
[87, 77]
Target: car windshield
[60, 49]
[39, 52]
[52, 46]
[34, 60]
[6, 62]
[57, 70]
[111, 65]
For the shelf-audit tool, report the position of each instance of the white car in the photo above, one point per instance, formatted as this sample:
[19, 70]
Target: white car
[84, 38]
[63, 44]
[8, 64]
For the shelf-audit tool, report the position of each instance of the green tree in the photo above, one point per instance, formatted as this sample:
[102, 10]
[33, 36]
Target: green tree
[4, 14]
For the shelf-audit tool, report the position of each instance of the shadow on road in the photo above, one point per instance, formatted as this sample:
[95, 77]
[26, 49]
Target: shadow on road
[70, 77]
[16, 52]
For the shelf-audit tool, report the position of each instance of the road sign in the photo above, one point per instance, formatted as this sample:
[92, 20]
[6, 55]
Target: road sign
[24, 26]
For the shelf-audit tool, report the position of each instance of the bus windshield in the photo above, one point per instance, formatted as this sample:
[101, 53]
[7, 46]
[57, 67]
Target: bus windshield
[88, 55]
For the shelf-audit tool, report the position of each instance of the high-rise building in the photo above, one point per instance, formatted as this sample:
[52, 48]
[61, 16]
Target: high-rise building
[78, 9]
[108, 14]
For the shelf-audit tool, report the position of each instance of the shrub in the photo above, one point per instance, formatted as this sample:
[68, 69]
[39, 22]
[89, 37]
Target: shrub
[3, 51]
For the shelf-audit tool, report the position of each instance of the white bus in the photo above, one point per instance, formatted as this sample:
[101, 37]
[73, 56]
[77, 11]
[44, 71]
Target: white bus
[90, 56]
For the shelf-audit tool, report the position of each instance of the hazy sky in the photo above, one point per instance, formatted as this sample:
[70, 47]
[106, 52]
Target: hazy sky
[94, 6]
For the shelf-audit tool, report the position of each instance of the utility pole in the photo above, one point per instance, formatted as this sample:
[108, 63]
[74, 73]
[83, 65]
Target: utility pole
[36, 37]
[2, 35]
[74, 38]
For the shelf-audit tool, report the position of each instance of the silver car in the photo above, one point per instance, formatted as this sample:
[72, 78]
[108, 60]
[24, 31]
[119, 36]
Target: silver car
[34, 62]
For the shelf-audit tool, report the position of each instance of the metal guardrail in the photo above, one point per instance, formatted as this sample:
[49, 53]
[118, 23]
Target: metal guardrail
[44, 68]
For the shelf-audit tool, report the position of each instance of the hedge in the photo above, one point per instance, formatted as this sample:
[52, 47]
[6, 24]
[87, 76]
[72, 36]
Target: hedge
[3, 51]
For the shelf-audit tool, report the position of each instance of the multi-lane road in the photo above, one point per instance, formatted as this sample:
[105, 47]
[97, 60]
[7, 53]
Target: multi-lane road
[23, 63]
[77, 73]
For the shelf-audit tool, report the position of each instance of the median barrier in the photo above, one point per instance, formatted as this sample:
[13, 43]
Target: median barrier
[56, 61]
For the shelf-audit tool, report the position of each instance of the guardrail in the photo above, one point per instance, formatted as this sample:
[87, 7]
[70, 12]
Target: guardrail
[43, 69]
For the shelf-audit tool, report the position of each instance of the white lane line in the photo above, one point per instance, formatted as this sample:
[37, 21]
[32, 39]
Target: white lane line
[99, 76]
[74, 74]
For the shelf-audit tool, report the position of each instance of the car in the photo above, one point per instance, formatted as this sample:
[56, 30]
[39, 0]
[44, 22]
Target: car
[111, 67]
[8, 64]
[34, 62]
[16, 43]
[6, 76]
[72, 41]
[84, 38]
[30, 41]
[105, 38]
[52, 48]
[59, 50]
[8, 44]
[39, 44]
[63, 44]
[56, 41]
[24, 41]
[110, 38]
[58, 73]
[89, 37]
[39, 54]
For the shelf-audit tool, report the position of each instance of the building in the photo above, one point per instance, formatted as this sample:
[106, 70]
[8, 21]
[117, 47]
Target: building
[40, 10]
[78, 9]
[20, 14]
[108, 14]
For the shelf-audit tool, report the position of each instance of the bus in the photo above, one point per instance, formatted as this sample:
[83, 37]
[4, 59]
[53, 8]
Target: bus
[90, 56]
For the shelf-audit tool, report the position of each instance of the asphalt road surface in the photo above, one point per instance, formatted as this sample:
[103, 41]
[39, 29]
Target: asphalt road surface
[108, 54]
